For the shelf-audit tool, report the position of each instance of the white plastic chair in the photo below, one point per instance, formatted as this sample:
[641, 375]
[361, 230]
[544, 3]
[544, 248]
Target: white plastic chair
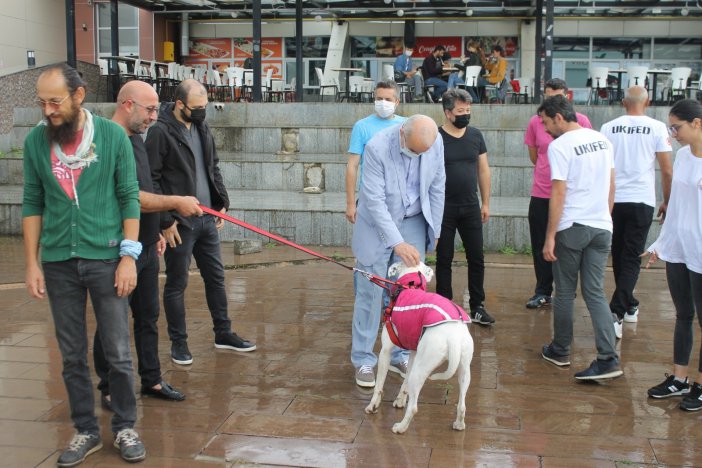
[598, 82]
[637, 76]
[324, 84]
[678, 83]
[355, 86]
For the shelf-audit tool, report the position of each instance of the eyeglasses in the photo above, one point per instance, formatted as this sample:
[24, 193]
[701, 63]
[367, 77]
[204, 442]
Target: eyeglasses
[149, 109]
[54, 103]
[673, 129]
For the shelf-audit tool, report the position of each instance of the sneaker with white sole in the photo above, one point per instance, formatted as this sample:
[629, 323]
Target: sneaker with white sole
[234, 342]
[399, 368]
[693, 400]
[180, 354]
[600, 370]
[481, 316]
[618, 326]
[632, 315]
[538, 300]
[80, 446]
[365, 377]
[130, 446]
[669, 388]
[550, 355]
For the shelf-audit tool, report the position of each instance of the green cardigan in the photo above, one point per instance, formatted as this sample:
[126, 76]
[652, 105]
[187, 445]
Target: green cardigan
[108, 193]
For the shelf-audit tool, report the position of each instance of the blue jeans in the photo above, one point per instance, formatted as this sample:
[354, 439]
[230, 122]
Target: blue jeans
[440, 86]
[145, 309]
[582, 250]
[369, 297]
[201, 240]
[68, 284]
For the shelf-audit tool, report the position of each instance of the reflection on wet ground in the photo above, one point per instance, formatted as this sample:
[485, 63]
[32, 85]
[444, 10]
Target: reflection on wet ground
[294, 402]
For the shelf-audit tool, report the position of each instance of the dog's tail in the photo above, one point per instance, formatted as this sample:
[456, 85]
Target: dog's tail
[454, 359]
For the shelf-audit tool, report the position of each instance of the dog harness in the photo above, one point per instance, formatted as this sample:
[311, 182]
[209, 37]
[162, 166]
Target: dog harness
[412, 309]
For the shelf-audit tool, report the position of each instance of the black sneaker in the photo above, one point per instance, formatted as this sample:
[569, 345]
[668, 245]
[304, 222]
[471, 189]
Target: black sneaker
[550, 355]
[537, 301]
[130, 446]
[669, 388]
[234, 342]
[80, 446]
[180, 354]
[600, 370]
[481, 316]
[693, 401]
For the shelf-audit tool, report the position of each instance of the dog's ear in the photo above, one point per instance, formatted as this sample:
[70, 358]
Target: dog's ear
[395, 268]
[426, 271]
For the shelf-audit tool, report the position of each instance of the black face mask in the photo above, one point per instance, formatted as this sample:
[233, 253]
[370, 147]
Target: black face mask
[196, 115]
[461, 121]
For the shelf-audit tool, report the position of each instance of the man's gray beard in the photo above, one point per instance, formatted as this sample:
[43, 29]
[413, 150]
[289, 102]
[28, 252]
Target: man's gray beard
[66, 132]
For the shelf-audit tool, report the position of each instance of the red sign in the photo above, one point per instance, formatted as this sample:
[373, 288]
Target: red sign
[425, 46]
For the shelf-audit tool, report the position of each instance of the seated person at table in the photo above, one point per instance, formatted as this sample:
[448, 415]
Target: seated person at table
[433, 70]
[406, 72]
[495, 70]
[470, 59]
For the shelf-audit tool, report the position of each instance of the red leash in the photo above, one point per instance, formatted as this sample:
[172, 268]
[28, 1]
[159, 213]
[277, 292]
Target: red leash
[382, 282]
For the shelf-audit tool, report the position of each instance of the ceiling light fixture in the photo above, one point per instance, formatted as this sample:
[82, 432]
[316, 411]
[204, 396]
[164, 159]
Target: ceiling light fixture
[469, 12]
[590, 11]
[656, 11]
[400, 12]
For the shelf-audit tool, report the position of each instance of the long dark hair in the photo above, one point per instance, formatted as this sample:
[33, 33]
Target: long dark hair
[687, 110]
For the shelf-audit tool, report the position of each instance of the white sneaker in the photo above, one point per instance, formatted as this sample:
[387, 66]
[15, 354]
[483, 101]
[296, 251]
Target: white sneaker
[632, 315]
[618, 327]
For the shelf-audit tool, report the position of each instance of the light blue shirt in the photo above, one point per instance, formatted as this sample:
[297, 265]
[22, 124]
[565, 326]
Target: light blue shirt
[411, 196]
[403, 63]
[364, 130]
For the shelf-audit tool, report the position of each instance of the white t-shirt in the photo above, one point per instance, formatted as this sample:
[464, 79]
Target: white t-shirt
[636, 140]
[680, 240]
[584, 160]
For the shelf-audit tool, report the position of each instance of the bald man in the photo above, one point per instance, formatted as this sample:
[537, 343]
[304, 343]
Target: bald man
[184, 161]
[400, 207]
[137, 110]
[638, 141]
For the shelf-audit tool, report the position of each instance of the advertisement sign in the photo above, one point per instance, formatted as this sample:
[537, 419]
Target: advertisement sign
[211, 48]
[509, 44]
[276, 65]
[425, 45]
[271, 47]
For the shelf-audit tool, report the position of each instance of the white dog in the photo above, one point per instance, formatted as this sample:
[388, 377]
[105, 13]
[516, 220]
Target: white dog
[434, 329]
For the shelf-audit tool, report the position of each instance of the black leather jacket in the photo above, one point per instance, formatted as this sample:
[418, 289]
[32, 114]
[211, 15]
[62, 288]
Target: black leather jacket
[173, 163]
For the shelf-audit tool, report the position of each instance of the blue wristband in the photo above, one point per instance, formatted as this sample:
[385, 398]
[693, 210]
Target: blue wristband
[130, 248]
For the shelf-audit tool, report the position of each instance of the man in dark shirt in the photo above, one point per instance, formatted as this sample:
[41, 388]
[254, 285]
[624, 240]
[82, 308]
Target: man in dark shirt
[184, 161]
[465, 157]
[137, 109]
[433, 71]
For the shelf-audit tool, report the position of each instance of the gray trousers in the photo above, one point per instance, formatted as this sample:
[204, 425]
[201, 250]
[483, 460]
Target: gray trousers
[582, 250]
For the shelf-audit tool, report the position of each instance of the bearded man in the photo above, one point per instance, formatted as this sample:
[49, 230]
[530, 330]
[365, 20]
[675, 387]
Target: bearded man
[81, 204]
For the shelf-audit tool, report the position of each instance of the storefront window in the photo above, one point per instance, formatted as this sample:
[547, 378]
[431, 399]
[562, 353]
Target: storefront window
[619, 48]
[677, 48]
[312, 47]
[128, 21]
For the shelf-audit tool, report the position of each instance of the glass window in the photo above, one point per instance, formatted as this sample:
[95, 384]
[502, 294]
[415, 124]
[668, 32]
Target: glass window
[128, 22]
[677, 48]
[571, 47]
[312, 47]
[618, 48]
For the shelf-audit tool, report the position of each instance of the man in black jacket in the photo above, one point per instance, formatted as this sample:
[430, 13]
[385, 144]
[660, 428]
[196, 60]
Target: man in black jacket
[184, 161]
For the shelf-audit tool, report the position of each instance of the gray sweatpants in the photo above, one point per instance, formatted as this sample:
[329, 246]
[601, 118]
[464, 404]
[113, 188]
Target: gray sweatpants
[582, 250]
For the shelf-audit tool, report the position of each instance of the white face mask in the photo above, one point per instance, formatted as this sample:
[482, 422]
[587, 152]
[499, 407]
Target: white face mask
[408, 53]
[408, 152]
[384, 109]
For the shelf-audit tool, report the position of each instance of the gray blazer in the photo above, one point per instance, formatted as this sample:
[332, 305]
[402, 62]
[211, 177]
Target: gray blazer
[380, 206]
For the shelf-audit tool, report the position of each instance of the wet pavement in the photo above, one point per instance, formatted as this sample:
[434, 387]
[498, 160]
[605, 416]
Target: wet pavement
[293, 402]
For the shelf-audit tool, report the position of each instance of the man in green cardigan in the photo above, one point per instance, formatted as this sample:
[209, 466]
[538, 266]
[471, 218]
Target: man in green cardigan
[81, 204]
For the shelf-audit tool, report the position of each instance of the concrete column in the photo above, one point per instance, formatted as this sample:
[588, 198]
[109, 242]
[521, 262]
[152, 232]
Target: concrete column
[527, 48]
[337, 54]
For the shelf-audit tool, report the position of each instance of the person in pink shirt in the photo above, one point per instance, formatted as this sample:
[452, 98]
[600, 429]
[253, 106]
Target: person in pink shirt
[537, 140]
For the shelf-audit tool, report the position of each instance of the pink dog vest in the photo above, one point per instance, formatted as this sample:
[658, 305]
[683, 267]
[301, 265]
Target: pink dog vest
[415, 309]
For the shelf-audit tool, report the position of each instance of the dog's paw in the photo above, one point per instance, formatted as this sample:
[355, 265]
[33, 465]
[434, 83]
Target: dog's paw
[459, 425]
[400, 401]
[371, 409]
[399, 428]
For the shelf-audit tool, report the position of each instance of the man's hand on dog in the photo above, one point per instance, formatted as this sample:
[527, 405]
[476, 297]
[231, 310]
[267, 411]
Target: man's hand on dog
[408, 254]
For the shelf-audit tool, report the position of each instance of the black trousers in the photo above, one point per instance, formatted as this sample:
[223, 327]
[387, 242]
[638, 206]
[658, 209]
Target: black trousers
[538, 223]
[631, 222]
[470, 227]
[145, 310]
[686, 291]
